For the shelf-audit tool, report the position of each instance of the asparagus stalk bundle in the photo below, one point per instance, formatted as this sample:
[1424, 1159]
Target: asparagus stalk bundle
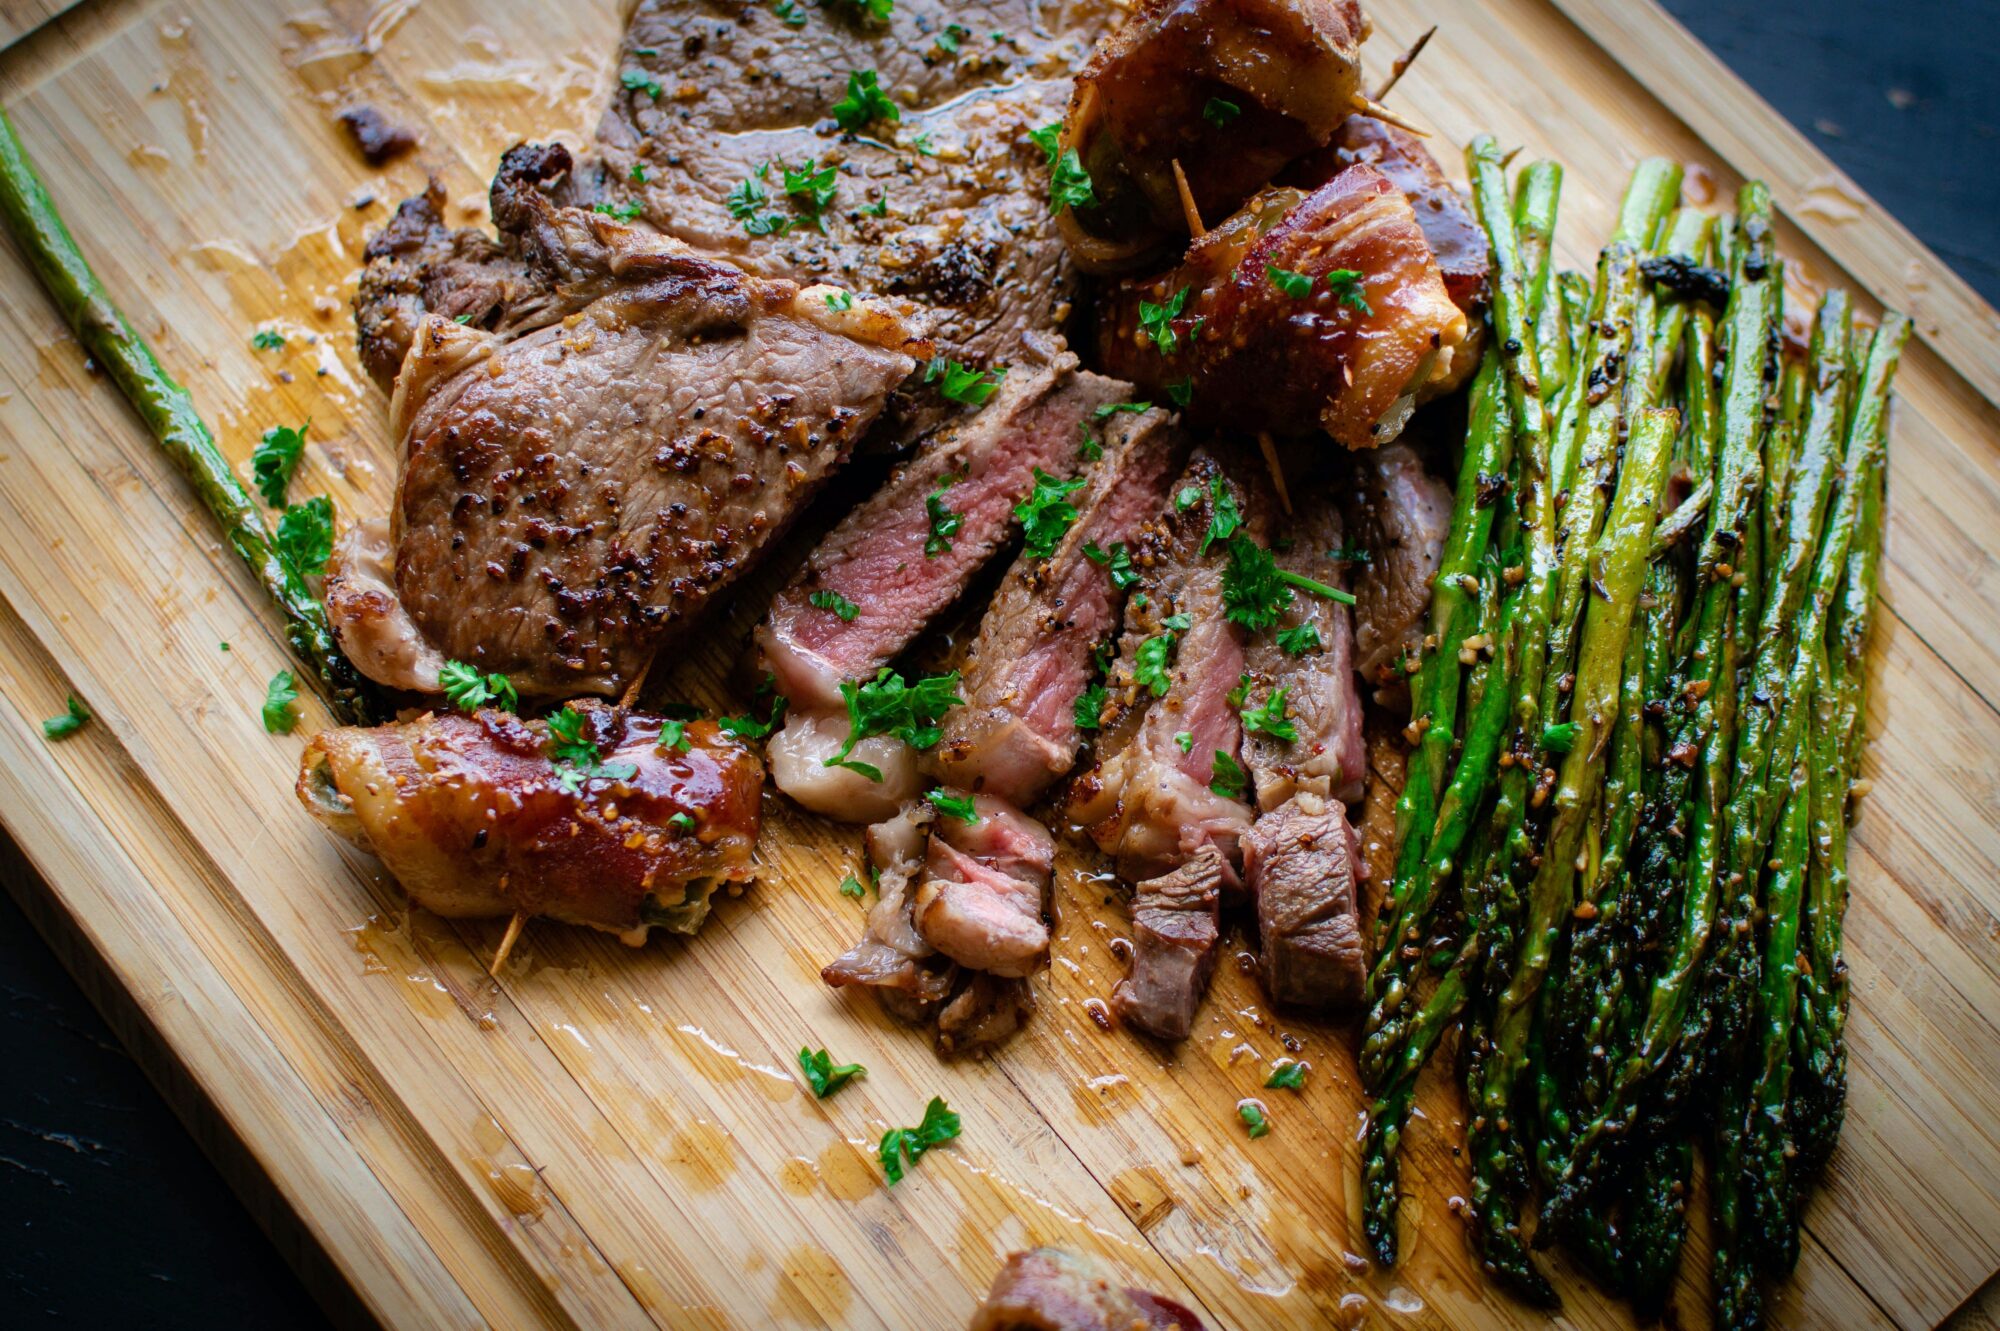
[1621, 852]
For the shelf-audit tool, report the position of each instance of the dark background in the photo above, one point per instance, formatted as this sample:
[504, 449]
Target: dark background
[111, 1216]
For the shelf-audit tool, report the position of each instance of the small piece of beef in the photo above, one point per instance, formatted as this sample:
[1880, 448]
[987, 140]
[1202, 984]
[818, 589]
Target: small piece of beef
[367, 618]
[1150, 800]
[379, 138]
[574, 493]
[1329, 757]
[1399, 514]
[1299, 863]
[1353, 361]
[1051, 1289]
[474, 818]
[1016, 732]
[1151, 100]
[985, 1012]
[1174, 936]
[892, 958]
[985, 889]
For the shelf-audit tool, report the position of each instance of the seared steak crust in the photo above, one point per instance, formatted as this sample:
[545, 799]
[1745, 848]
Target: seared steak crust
[1298, 862]
[1400, 514]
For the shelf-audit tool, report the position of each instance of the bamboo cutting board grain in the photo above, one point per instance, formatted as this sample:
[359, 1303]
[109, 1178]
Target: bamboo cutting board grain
[611, 1137]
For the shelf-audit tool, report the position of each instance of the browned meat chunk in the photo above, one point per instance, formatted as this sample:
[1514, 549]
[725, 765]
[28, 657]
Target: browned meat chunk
[985, 1012]
[1174, 936]
[1299, 864]
[1050, 1289]
[379, 138]
[892, 958]
[1399, 514]
[1016, 732]
[985, 889]
[1316, 672]
[579, 485]
[1227, 90]
[1351, 354]
[475, 817]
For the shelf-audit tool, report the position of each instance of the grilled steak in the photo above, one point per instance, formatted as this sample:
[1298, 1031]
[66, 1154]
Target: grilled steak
[892, 958]
[1049, 1289]
[1400, 514]
[1174, 935]
[1350, 356]
[1329, 756]
[1299, 863]
[1016, 732]
[474, 818]
[578, 488]
[985, 888]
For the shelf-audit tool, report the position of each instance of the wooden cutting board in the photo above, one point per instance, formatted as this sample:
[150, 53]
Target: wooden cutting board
[611, 1137]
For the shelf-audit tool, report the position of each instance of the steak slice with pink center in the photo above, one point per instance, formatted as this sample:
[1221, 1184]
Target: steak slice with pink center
[986, 888]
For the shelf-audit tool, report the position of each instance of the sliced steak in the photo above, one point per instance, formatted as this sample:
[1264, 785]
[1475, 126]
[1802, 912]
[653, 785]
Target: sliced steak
[1299, 863]
[985, 889]
[1174, 936]
[575, 492]
[892, 958]
[1050, 1289]
[986, 1011]
[1399, 513]
[1329, 757]
[1016, 732]
[1353, 361]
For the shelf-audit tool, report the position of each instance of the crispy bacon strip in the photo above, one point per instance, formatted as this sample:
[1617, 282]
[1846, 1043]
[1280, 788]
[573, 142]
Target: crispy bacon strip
[474, 818]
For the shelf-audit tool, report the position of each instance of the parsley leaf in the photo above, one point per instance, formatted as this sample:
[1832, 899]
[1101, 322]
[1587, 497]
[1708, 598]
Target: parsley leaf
[1156, 321]
[276, 458]
[576, 755]
[840, 300]
[789, 13]
[623, 212]
[944, 522]
[824, 1075]
[1046, 513]
[850, 886]
[1089, 707]
[468, 690]
[886, 705]
[1271, 719]
[681, 822]
[1225, 516]
[638, 80]
[1230, 780]
[638, 176]
[921, 142]
[875, 9]
[72, 719]
[1088, 446]
[960, 807]
[940, 1125]
[1048, 138]
[279, 695]
[1220, 111]
[1181, 391]
[827, 599]
[1070, 185]
[952, 36]
[749, 727]
[746, 202]
[865, 103]
[1560, 738]
[1118, 560]
[963, 383]
[1255, 591]
[879, 208]
[1289, 1075]
[673, 736]
[1298, 641]
[1149, 664]
[1295, 285]
[1346, 284]
[304, 539]
[1185, 739]
[1254, 1118]
[1110, 409]
[811, 188]
[265, 339]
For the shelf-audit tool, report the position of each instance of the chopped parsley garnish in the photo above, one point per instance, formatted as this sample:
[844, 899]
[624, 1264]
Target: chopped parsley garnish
[1230, 781]
[681, 822]
[1298, 641]
[1049, 139]
[960, 807]
[1046, 513]
[746, 203]
[898, 1144]
[811, 188]
[304, 538]
[1289, 1075]
[73, 716]
[1560, 738]
[1185, 739]
[840, 300]
[265, 339]
[850, 886]
[1181, 391]
[1187, 497]
[1224, 515]
[921, 142]
[879, 208]
[885, 705]
[827, 599]
[1178, 623]
[1088, 446]
[576, 754]
[952, 36]
[865, 103]
[1254, 1118]
[824, 1075]
[1346, 284]
[673, 736]
[749, 727]
[638, 173]
[1271, 719]
[789, 13]
[1070, 185]
[944, 522]
[1113, 408]
[1255, 591]
[1149, 664]
[1236, 695]
[638, 80]
[468, 690]
[279, 696]
[623, 212]
[275, 459]
[1156, 321]
[1090, 707]
[875, 9]
[1117, 559]
[1220, 111]
[1350, 554]
[963, 383]
[1295, 285]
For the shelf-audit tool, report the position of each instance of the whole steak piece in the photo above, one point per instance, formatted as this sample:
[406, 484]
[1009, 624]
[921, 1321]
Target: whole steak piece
[580, 482]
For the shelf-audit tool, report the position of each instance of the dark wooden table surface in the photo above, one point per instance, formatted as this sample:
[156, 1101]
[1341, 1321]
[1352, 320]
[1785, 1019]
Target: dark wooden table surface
[114, 1218]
